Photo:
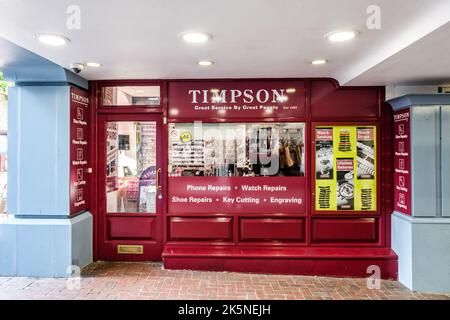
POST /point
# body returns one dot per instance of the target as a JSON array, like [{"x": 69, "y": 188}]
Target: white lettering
[
  {"x": 235, "y": 94},
  {"x": 258, "y": 96},
  {"x": 194, "y": 95},
  {"x": 248, "y": 96}
]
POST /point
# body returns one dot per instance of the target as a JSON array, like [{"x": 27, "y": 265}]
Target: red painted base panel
[{"x": 342, "y": 262}]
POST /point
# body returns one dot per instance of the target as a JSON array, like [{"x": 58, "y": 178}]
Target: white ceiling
[{"x": 138, "y": 39}]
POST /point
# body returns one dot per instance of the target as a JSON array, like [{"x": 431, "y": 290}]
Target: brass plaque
[{"x": 130, "y": 249}]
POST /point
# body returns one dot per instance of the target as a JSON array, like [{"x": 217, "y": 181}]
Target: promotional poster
[{"x": 345, "y": 168}]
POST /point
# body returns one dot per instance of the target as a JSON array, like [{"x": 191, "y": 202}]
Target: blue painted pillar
[
  {"x": 421, "y": 234},
  {"x": 38, "y": 139},
  {"x": 39, "y": 237}
]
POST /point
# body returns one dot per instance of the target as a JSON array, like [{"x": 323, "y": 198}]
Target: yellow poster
[{"x": 345, "y": 168}]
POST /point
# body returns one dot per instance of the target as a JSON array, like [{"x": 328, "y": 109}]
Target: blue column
[
  {"x": 39, "y": 237},
  {"x": 422, "y": 240},
  {"x": 38, "y": 140}
]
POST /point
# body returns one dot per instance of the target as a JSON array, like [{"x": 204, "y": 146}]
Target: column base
[
  {"x": 45, "y": 247},
  {"x": 422, "y": 246}
]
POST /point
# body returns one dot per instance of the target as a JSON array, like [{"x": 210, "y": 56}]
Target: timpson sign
[
  {"x": 231, "y": 96},
  {"x": 239, "y": 99},
  {"x": 78, "y": 98}
]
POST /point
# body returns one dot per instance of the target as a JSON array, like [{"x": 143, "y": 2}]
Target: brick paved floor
[{"x": 107, "y": 280}]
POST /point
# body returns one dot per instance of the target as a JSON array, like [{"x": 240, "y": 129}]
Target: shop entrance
[{"x": 130, "y": 187}]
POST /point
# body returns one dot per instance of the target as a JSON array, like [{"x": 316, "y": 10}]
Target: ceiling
[{"x": 138, "y": 39}]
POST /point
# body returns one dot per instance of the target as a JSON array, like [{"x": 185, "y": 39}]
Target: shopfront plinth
[
  {"x": 421, "y": 219},
  {"x": 42, "y": 236},
  {"x": 337, "y": 262}
]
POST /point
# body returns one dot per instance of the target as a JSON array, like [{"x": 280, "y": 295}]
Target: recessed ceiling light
[
  {"x": 93, "y": 64},
  {"x": 205, "y": 63},
  {"x": 319, "y": 61},
  {"x": 290, "y": 90},
  {"x": 339, "y": 36},
  {"x": 195, "y": 37},
  {"x": 52, "y": 39}
]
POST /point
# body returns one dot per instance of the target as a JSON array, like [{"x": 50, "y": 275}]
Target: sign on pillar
[
  {"x": 79, "y": 169},
  {"x": 402, "y": 162}
]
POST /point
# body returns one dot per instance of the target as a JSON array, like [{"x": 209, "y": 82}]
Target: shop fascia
[{"x": 232, "y": 95}]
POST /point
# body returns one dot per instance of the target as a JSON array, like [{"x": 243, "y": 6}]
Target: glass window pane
[
  {"x": 131, "y": 167},
  {"x": 131, "y": 95},
  {"x": 236, "y": 149}
]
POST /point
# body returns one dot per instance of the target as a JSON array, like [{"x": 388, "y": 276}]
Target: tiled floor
[{"x": 103, "y": 280}]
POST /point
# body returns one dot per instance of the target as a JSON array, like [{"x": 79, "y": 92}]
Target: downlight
[
  {"x": 205, "y": 63},
  {"x": 195, "y": 37},
  {"x": 341, "y": 36},
  {"x": 319, "y": 62},
  {"x": 52, "y": 39}
]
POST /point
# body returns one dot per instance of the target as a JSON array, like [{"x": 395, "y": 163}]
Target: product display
[
  {"x": 235, "y": 149},
  {"x": 337, "y": 186}
]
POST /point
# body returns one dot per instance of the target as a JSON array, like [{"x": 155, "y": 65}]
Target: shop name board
[
  {"x": 235, "y": 95},
  {"x": 237, "y": 99}
]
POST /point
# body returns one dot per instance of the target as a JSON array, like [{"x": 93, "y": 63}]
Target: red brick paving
[{"x": 120, "y": 280}]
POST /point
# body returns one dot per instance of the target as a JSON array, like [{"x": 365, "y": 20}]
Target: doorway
[{"x": 130, "y": 187}]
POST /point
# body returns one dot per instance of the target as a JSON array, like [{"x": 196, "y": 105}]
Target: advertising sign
[
  {"x": 79, "y": 122},
  {"x": 236, "y": 99},
  {"x": 345, "y": 165},
  {"x": 402, "y": 162},
  {"x": 237, "y": 194}
]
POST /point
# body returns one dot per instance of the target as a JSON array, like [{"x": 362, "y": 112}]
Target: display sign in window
[
  {"x": 236, "y": 149},
  {"x": 345, "y": 168},
  {"x": 237, "y": 167}
]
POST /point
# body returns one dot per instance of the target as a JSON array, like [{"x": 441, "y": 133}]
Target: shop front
[{"x": 267, "y": 175}]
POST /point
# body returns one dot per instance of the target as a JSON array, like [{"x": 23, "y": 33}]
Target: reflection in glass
[
  {"x": 131, "y": 95},
  {"x": 131, "y": 167},
  {"x": 236, "y": 149}
]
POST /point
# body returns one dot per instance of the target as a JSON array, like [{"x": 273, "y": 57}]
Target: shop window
[
  {"x": 237, "y": 149},
  {"x": 131, "y": 96},
  {"x": 131, "y": 167}
]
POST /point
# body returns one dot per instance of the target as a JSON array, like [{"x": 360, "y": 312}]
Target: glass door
[{"x": 131, "y": 187}]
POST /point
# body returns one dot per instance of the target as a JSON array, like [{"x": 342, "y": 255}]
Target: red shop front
[{"x": 271, "y": 176}]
